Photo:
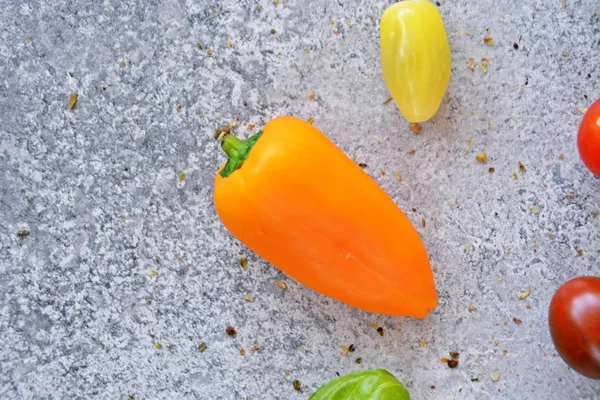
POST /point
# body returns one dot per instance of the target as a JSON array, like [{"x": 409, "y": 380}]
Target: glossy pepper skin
[
  {"x": 373, "y": 384},
  {"x": 295, "y": 199},
  {"x": 415, "y": 57}
]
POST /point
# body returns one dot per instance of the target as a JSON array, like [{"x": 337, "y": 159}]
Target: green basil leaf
[{"x": 375, "y": 384}]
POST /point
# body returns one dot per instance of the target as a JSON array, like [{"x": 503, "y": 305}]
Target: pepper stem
[{"x": 237, "y": 150}]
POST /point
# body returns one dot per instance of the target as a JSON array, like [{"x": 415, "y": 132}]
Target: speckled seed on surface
[{"x": 125, "y": 178}]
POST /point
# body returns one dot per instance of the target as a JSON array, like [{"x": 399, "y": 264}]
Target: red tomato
[
  {"x": 574, "y": 319},
  {"x": 588, "y": 138}
]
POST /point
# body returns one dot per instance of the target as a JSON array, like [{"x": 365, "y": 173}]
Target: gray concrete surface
[{"x": 98, "y": 189}]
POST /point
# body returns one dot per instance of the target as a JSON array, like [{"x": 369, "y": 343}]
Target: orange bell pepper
[{"x": 295, "y": 199}]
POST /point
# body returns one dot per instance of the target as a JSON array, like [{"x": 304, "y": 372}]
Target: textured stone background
[{"x": 98, "y": 188}]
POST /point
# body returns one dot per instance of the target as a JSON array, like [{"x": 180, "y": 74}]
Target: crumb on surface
[
  {"x": 73, "y": 101},
  {"x": 472, "y": 64},
  {"x": 345, "y": 349},
  {"x": 484, "y": 64},
  {"x": 489, "y": 41},
  {"x": 525, "y": 294},
  {"x": 415, "y": 128}
]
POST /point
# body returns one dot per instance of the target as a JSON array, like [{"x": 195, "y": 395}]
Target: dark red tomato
[
  {"x": 588, "y": 138},
  {"x": 574, "y": 319}
]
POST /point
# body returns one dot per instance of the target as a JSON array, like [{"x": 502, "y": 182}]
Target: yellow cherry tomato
[{"x": 415, "y": 57}]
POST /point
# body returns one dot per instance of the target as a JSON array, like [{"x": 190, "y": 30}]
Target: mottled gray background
[{"x": 98, "y": 189}]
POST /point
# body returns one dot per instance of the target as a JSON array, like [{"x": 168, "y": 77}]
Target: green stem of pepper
[{"x": 237, "y": 150}]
